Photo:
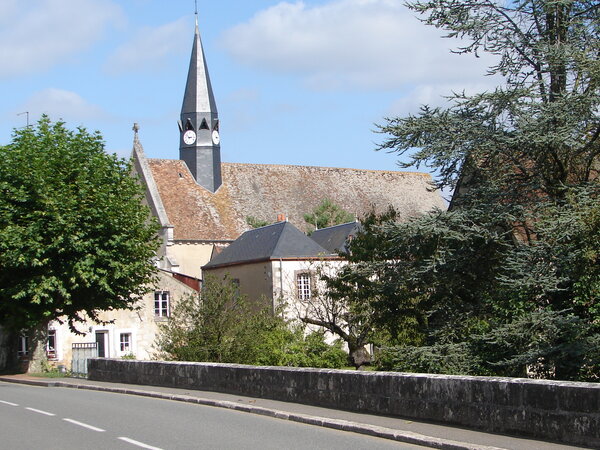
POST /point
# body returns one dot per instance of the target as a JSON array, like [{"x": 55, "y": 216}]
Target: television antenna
[{"x": 27, "y": 113}]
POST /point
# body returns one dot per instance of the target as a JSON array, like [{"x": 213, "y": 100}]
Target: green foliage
[
  {"x": 349, "y": 304},
  {"x": 74, "y": 236},
  {"x": 221, "y": 326},
  {"x": 508, "y": 278},
  {"x": 449, "y": 359},
  {"x": 328, "y": 214},
  {"x": 539, "y": 129},
  {"x": 256, "y": 223},
  {"x": 539, "y": 344},
  {"x": 543, "y": 344}
]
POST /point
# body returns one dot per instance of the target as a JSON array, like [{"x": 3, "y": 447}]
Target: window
[
  {"x": 161, "y": 303},
  {"x": 303, "y": 285},
  {"x": 125, "y": 342},
  {"x": 51, "y": 344},
  {"x": 23, "y": 346}
]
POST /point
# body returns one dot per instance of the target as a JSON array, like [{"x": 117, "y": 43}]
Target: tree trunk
[
  {"x": 7, "y": 359},
  {"x": 359, "y": 356},
  {"x": 38, "y": 359}
]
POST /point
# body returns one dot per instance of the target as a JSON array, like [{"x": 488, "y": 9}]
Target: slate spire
[{"x": 199, "y": 141}]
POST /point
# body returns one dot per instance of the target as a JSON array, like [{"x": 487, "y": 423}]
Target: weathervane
[{"x": 196, "y": 6}]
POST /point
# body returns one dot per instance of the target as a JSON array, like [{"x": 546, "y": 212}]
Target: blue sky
[{"x": 296, "y": 82}]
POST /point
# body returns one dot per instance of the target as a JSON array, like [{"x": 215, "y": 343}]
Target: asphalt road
[{"x": 56, "y": 418}]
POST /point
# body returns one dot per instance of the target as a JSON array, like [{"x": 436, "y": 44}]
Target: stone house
[
  {"x": 125, "y": 333},
  {"x": 274, "y": 263}
]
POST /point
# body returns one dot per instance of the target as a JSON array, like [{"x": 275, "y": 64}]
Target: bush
[
  {"x": 449, "y": 359},
  {"x": 221, "y": 326}
]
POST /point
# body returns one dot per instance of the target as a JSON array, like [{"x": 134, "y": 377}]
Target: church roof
[
  {"x": 263, "y": 191},
  {"x": 281, "y": 240},
  {"x": 335, "y": 238}
]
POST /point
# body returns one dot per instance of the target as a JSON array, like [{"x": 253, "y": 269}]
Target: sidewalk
[{"x": 402, "y": 430}]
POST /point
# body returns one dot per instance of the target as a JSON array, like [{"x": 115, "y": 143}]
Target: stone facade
[{"x": 141, "y": 324}]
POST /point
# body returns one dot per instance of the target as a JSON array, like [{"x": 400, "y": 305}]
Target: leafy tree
[
  {"x": 536, "y": 132},
  {"x": 74, "y": 236},
  {"x": 221, "y": 326},
  {"x": 328, "y": 214},
  {"x": 520, "y": 242},
  {"x": 256, "y": 223},
  {"x": 349, "y": 304}
]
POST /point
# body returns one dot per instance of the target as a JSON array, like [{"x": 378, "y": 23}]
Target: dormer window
[
  {"x": 189, "y": 125},
  {"x": 204, "y": 125}
]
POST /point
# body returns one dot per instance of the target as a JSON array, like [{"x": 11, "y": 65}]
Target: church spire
[{"x": 199, "y": 144}]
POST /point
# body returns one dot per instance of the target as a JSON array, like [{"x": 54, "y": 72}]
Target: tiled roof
[
  {"x": 334, "y": 239},
  {"x": 279, "y": 240},
  {"x": 264, "y": 191}
]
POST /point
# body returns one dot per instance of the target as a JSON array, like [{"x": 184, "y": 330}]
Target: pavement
[{"x": 430, "y": 435}]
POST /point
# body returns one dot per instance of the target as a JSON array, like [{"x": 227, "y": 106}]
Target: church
[{"x": 203, "y": 205}]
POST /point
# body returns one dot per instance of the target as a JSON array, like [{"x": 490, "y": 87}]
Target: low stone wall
[{"x": 561, "y": 411}]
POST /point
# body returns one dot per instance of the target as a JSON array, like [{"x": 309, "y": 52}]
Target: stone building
[{"x": 203, "y": 204}]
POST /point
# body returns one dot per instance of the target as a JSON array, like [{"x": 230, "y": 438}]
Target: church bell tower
[{"x": 199, "y": 140}]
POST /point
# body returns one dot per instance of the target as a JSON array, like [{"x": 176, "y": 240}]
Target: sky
[{"x": 296, "y": 82}]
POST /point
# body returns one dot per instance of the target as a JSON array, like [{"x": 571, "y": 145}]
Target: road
[{"x": 57, "y": 418}]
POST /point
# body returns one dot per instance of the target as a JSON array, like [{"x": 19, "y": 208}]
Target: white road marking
[
  {"x": 84, "y": 425},
  {"x": 139, "y": 444},
  {"x": 41, "y": 412},
  {"x": 8, "y": 403}
]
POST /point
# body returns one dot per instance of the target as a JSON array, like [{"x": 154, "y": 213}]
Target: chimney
[{"x": 281, "y": 218}]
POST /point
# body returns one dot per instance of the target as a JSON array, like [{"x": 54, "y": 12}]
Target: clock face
[
  {"x": 215, "y": 137},
  {"x": 189, "y": 137}
]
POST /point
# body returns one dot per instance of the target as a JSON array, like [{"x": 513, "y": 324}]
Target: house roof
[
  {"x": 335, "y": 238},
  {"x": 264, "y": 191},
  {"x": 281, "y": 240}
]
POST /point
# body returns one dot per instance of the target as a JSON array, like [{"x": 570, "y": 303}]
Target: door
[{"x": 102, "y": 343}]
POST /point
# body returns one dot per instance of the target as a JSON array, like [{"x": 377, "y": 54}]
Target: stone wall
[{"x": 561, "y": 411}]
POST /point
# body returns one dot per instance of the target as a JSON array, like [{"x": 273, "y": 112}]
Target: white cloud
[
  {"x": 435, "y": 95},
  {"x": 37, "y": 35},
  {"x": 61, "y": 104},
  {"x": 150, "y": 47},
  {"x": 370, "y": 44}
]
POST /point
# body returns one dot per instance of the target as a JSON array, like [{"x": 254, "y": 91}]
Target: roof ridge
[
  {"x": 420, "y": 174},
  {"x": 338, "y": 225},
  {"x": 424, "y": 174}
]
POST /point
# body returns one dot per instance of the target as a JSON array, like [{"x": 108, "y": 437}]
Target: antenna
[
  {"x": 196, "y": 6},
  {"x": 26, "y": 112}
]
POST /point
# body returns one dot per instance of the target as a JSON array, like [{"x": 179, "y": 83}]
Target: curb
[{"x": 336, "y": 424}]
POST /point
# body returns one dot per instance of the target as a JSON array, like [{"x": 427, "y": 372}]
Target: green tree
[
  {"x": 253, "y": 222},
  {"x": 536, "y": 132},
  {"x": 220, "y": 325},
  {"x": 328, "y": 214},
  {"x": 74, "y": 236},
  {"x": 349, "y": 303},
  {"x": 521, "y": 239}
]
